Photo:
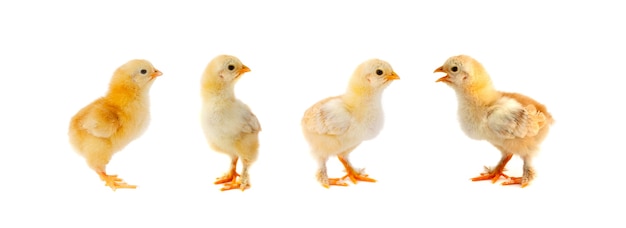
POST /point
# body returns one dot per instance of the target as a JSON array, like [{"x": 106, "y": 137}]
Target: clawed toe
[{"x": 114, "y": 182}]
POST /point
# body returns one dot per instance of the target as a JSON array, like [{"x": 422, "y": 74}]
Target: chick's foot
[
  {"x": 494, "y": 174},
  {"x": 115, "y": 182},
  {"x": 491, "y": 174},
  {"x": 357, "y": 176},
  {"x": 353, "y": 174},
  {"x": 235, "y": 184},
  {"x": 514, "y": 181},
  {"x": 335, "y": 182},
  {"x": 228, "y": 177}
]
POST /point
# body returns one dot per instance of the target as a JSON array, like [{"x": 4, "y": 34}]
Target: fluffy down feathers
[
  {"x": 336, "y": 125},
  {"x": 111, "y": 122},
  {"x": 512, "y": 122},
  {"x": 229, "y": 125}
]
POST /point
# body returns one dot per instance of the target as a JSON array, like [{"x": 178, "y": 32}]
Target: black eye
[
  {"x": 231, "y": 67},
  {"x": 454, "y": 69},
  {"x": 144, "y": 71},
  {"x": 379, "y": 72}
]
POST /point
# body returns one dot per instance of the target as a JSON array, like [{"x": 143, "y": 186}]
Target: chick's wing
[
  {"x": 329, "y": 117},
  {"x": 509, "y": 119},
  {"x": 252, "y": 124},
  {"x": 100, "y": 120}
]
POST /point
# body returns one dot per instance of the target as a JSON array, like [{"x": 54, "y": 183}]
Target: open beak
[
  {"x": 444, "y": 78},
  {"x": 392, "y": 76},
  {"x": 156, "y": 73}
]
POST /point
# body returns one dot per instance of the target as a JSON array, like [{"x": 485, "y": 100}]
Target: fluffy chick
[
  {"x": 108, "y": 124},
  {"x": 512, "y": 122},
  {"x": 229, "y": 125},
  {"x": 337, "y": 125}
]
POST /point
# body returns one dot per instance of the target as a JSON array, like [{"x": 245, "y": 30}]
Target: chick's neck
[
  {"x": 218, "y": 91},
  {"x": 125, "y": 93},
  {"x": 362, "y": 97},
  {"x": 481, "y": 95}
]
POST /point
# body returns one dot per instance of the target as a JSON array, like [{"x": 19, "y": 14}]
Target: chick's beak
[
  {"x": 392, "y": 76},
  {"x": 444, "y": 78},
  {"x": 244, "y": 69},
  {"x": 156, "y": 73}
]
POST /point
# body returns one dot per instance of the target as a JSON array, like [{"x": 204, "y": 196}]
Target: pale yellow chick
[
  {"x": 335, "y": 126},
  {"x": 512, "y": 122},
  {"x": 109, "y": 123},
  {"x": 229, "y": 125}
]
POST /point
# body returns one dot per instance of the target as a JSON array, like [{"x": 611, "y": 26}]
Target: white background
[{"x": 57, "y": 56}]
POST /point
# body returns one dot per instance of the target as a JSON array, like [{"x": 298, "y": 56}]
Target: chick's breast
[
  {"x": 136, "y": 122},
  {"x": 372, "y": 124},
  {"x": 223, "y": 123}
]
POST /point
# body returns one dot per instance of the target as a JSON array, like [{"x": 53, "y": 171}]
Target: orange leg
[
  {"x": 352, "y": 174},
  {"x": 231, "y": 176},
  {"x": 114, "y": 182},
  {"x": 496, "y": 173}
]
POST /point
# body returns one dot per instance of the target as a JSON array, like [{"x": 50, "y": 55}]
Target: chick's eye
[
  {"x": 379, "y": 72},
  {"x": 454, "y": 69},
  {"x": 231, "y": 67},
  {"x": 143, "y": 71}
]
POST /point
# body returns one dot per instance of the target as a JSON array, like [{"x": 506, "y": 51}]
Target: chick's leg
[
  {"x": 244, "y": 182},
  {"x": 494, "y": 174},
  {"x": 354, "y": 175},
  {"x": 246, "y": 149},
  {"x": 98, "y": 162},
  {"x": 527, "y": 177},
  {"x": 322, "y": 175},
  {"x": 231, "y": 175}
]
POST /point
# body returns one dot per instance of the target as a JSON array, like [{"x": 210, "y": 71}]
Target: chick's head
[
  {"x": 373, "y": 75},
  {"x": 463, "y": 72},
  {"x": 225, "y": 69},
  {"x": 138, "y": 73}
]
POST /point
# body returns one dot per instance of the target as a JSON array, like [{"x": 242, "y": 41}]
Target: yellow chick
[
  {"x": 335, "y": 126},
  {"x": 108, "y": 124},
  {"x": 229, "y": 125},
  {"x": 512, "y": 122}
]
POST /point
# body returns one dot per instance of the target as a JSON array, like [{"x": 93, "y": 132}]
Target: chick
[
  {"x": 335, "y": 126},
  {"x": 512, "y": 122},
  {"x": 229, "y": 125},
  {"x": 108, "y": 124}
]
